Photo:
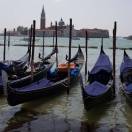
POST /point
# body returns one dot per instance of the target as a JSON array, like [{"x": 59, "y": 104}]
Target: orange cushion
[{"x": 64, "y": 66}]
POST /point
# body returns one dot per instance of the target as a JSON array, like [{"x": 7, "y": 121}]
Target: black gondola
[
  {"x": 20, "y": 64},
  {"x": 14, "y": 67},
  {"x": 38, "y": 69},
  {"x": 41, "y": 68},
  {"x": 126, "y": 77},
  {"x": 54, "y": 82},
  {"x": 99, "y": 86}
]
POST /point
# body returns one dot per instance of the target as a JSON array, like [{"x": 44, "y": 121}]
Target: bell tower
[{"x": 42, "y": 19}]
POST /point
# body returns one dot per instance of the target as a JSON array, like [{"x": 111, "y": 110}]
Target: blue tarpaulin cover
[
  {"x": 129, "y": 87},
  {"x": 103, "y": 63},
  {"x": 74, "y": 72},
  {"x": 43, "y": 83},
  {"x": 126, "y": 64},
  {"x": 4, "y": 67},
  {"x": 95, "y": 89},
  {"x": 0, "y": 80}
]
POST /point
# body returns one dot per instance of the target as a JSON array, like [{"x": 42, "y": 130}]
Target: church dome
[{"x": 61, "y": 22}]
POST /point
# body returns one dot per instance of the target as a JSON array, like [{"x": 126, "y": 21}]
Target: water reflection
[
  {"x": 31, "y": 111},
  {"x": 94, "y": 116},
  {"x": 20, "y": 117},
  {"x": 66, "y": 113},
  {"x": 127, "y": 110}
]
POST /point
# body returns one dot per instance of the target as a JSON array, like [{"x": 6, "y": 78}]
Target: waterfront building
[
  {"x": 42, "y": 19},
  {"x": 63, "y": 29}
]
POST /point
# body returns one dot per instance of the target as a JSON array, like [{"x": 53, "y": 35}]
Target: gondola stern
[
  {"x": 125, "y": 53},
  {"x": 102, "y": 50},
  {"x": 79, "y": 48},
  {"x": 81, "y": 82}
]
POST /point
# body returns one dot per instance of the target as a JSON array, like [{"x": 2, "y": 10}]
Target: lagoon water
[{"x": 65, "y": 113}]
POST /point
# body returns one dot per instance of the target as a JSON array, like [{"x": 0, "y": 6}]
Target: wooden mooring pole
[
  {"x": 43, "y": 44},
  {"x": 114, "y": 57},
  {"x": 86, "y": 50},
  {"x": 70, "y": 41},
  {"x": 4, "y": 52},
  {"x": 33, "y": 49},
  {"x": 30, "y": 43},
  {"x": 56, "y": 44}
]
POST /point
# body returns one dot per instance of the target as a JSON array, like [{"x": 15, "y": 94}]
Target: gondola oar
[
  {"x": 56, "y": 44},
  {"x": 70, "y": 41},
  {"x": 33, "y": 49},
  {"x": 86, "y": 50},
  {"x": 114, "y": 57},
  {"x": 4, "y": 52}
]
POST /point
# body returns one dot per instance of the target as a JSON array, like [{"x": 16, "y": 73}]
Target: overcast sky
[{"x": 85, "y": 13}]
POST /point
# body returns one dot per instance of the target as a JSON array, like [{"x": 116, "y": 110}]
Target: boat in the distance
[
  {"x": 14, "y": 67},
  {"x": 41, "y": 68}
]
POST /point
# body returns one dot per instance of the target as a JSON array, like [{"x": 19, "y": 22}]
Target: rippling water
[{"x": 65, "y": 113}]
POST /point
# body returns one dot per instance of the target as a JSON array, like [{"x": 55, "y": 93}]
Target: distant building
[
  {"x": 62, "y": 29},
  {"x": 42, "y": 19},
  {"x": 94, "y": 33},
  {"x": 22, "y": 30},
  {"x": 128, "y": 37}
]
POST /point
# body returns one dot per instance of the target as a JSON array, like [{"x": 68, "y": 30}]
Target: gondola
[
  {"x": 55, "y": 82},
  {"x": 22, "y": 62},
  {"x": 41, "y": 68},
  {"x": 37, "y": 69},
  {"x": 126, "y": 77},
  {"x": 17, "y": 67},
  {"x": 99, "y": 86}
]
